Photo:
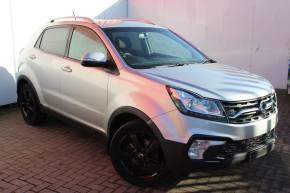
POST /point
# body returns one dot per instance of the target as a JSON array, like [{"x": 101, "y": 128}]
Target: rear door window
[{"x": 54, "y": 40}]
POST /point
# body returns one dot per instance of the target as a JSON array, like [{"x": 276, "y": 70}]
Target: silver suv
[{"x": 162, "y": 104}]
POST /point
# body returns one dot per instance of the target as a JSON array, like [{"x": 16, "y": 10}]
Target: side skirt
[{"x": 72, "y": 122}]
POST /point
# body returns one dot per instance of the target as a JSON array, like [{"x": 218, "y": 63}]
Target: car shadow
[
  {"x": 68, "y": 125},
  {"x": 270, "y": 173},
  {"x": 7, "y": 87}
]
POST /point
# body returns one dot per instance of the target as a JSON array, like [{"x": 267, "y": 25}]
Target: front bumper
[
  {"x": 243, "y": 141},
  {"x": 238, "y": 151},
  {"x": 232, "y": 152},
  {"x": 177, "y": 127}
]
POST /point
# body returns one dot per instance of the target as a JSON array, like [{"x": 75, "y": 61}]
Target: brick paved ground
[{"x": 56, "y": 157}]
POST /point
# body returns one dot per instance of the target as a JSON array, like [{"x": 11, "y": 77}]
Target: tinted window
[
  {"x": 54, "y": 40},
  {"x": 83, "y": 41}
]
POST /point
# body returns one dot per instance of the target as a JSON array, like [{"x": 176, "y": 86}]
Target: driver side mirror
[{"x": 94, "y": 59}]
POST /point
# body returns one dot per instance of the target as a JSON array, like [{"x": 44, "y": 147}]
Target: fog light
[{"x": 198, "y": 147}]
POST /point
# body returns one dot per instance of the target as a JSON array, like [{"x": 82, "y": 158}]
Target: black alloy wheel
[
  {"x": 137, "y": 155},
  {"x": 29, "y": 105}
]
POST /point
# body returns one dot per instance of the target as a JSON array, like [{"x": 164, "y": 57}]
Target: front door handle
[
  {"x": 66, "y": 69},
  {"x": 32, "y": 57}
]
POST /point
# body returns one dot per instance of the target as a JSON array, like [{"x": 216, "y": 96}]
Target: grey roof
[{"x": 106, "y": 23}]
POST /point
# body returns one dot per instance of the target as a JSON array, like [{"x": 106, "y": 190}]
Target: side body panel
[
  {"x": 131, "y": 90},
  {"x": 84, "y": 93},
  {"x": 47, "y": 69},
  {"x": 43, "y": 70}
]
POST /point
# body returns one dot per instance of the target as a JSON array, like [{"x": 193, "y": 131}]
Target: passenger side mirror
[{"x": 94, "y": 59}]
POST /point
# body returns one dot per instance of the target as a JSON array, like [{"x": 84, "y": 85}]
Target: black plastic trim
[
  {"x": 39, "y": 40},
  {"x": 138, "y": 113},
  {"x": 177, "y": 159},
  {"x": 70, "y": 121},
  {"x": 23, "y": 77}
]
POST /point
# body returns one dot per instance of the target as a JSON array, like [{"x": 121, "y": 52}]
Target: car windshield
[{"x": 145, "y": 47}]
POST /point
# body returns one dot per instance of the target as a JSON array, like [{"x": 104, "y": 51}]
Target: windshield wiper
[
  {"x": 172, "y": 64},
  {"x": 143, "y": 66},
  {"x": 208, "y": 61},
  {"x": 178, "y": 64}
]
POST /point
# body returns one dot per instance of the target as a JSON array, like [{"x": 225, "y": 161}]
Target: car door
[
  {"x": 84, "y": 89},
  {"x": 46, "y": 60}
]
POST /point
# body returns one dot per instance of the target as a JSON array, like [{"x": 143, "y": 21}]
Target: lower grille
[
  {"x": 249, "y": 144},
  {"x": 233, "y": 147}
]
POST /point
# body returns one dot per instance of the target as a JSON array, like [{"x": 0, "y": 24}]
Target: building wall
[
  {"x": 24, "y": 17},
  {"x": 250, "y": 34},
  {"x": 7, "y": 83}
]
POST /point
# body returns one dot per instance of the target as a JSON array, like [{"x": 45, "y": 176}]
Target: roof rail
[
  {"x": 73, "y": 18},
  {"x": 140, "y": 20}
]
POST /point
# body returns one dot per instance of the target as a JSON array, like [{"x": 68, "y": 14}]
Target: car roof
[{"x": 107, "y": 23}]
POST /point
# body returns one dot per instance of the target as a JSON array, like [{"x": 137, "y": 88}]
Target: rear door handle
[
  {"x": 32, "y": 57},
  {"x": 66, "y": 69}
]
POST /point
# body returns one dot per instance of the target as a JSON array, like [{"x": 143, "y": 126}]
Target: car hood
[{"x": 212, "y": 80}]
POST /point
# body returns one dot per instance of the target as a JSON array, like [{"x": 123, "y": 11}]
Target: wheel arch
[
  {"x": 24, "y": 79},
  {"x": 125, "y": 114}
]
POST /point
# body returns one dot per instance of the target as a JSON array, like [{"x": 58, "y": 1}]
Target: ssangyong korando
[{"x": 162, "y": 104}]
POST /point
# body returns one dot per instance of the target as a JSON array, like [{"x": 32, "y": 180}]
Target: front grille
[
  {"x": 232, "y": 147},
  {"x": 252, "y": 110}
]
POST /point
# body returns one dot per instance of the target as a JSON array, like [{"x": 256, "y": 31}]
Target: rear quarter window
[{"x": 54, "y": 40}]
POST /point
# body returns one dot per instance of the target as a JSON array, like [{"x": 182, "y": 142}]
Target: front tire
[
  {"x": 29, "y": 105},
  {"x": 137, "y": 155}
]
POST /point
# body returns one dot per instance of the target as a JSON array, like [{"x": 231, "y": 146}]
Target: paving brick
[
  {"x": 18, "y": 182},
  {"x": 34, "y": 181},
  {"x": 107, "y": 190},
  {"x": 11, "y": 189},
  {"x": 46, "y": 191},
  {"x": 40, "y": 187},
  {"x": 82, "y": 189},
  {"x": 110, "y": 184},
  {"x": 64, "y": 190},
  {"x": 24, "y": 188},
  {"x": 13, "y": 177},
  {"x": 56, "y": 185},
  {"x": 4, "y": 185},
  {"x": 96, "y": 187},
  {"x": 120, "y": 189}
]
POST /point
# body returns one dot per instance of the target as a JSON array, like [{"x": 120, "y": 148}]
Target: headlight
[{"x": 197, "y": 106}]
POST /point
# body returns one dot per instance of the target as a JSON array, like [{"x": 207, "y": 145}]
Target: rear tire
[
  {"x": 137, "y": 155},
  {"x": 29, "y": 105}
]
